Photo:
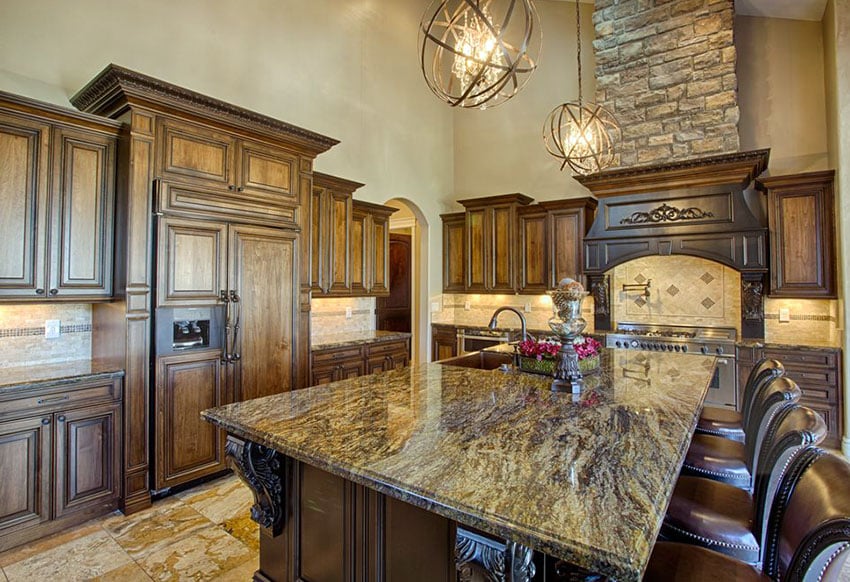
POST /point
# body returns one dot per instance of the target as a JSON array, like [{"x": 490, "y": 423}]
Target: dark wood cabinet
[
  {"x": 58, "y": 202},
  {"x": 454, "y": 254},
  {"x": 333, "y": 364},
  {"x": 331, "y": 214},
  {"x": 443, "y": 342},
  {"x": 801, "y": 217},
  {"x": 370, "y": 240},
  {"x": 534, "y": 250},
  {"x": 568, "y": 223},
  {"x": 188, "y": 447},
  {"x": 60, "y": 457},
  {"x": 191, "y": 262},
  {"x": 818, "y": 372}
]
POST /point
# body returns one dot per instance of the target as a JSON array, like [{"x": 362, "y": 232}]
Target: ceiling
[{"x": 793, "y": 9}]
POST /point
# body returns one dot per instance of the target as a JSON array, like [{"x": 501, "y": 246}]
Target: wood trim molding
[
  {"x": 516, "y": 198},
  {"x": 115, "y": 86},
  {"x": 321, "y": 180},
  {"x": 737, "y": 168}
]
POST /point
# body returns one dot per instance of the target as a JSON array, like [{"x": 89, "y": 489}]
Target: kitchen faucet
[{"x": 493, "y": 319}]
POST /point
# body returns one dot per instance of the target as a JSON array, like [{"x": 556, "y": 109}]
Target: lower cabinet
[
  {"x": 188, "y": 447},
  {"x": 443, "y": 342},
  {"x": 60, "y": 457},
  {"x": 334, "y": 364},
  {"x": 818, "y": 373}
]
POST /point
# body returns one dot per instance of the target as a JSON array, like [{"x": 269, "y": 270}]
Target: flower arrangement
[{"x": 541, "y": 356}]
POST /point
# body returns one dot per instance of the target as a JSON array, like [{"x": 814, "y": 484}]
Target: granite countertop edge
[
  {"x": 341, "y": 340},
  {"x": 100, "y": 372},
  {"x": 588, "y": 558}
]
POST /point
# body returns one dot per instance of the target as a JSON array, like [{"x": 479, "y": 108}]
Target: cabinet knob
[
  {"x": 39, "y": 291},
  {"x": 61, "y": 418},
  {"x": 231, "y": 187},
  {"x": 240, "y": 189},
  {"x": 54, "y": 292},
  {"x": 45, "y": 421}
]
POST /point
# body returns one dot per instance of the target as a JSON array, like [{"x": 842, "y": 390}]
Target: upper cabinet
[
  {"x": 349, "y": 241},
  {"x": 205, "y": 171},
  {"x": 503, "y": 244},
  {"x": 57, "y": 202},
  {"x": 491, "y": 239},
  {"x": 802, "y": 234}
]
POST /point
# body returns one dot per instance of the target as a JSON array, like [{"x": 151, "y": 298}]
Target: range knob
[
  {"x": 719, "y": 349},
  {"x": 684, "y": 348},
  {"x": 617, "y": 343},
  {"x": 704, "y": 350},
  {"x": 634, "y": 343},
  {"x": 677, "y": 348},
  {"x": 670, "y": 348},
  {"x": 643, "y": 345}
]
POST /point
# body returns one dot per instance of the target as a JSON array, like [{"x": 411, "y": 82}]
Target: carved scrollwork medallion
[
  {"x": 599, "y": 290},
  {"x": 753, "y": 300},
  {"x": 666, "y": 213},
  {"x": 477, "y": 556},
  {"x": 260, "y": 468}
]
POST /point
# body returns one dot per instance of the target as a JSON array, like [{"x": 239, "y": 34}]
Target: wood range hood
[{"x": 702, "y": 207}]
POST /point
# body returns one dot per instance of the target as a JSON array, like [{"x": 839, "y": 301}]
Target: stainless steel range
[{"x": 708, "y": 341}]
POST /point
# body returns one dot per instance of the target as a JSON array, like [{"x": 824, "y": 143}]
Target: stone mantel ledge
[
  {"x": 32, "y": 377},
  {"x": 585, "y": 478},
  {"x": 329, "y": 341}
]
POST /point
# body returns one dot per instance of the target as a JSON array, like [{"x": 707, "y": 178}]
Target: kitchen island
[{"x": 399, "y": 475}]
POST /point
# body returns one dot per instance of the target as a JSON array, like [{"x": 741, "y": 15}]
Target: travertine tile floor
[{"x": 204, "y": 533}]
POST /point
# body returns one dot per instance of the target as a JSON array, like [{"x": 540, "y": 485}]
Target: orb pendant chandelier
[
  {"x": 581, "y": 134},
  {"x": 478, "y": 53}
]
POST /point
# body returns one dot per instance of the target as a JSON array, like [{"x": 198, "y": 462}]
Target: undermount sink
[{"x": 480, "y": 360}]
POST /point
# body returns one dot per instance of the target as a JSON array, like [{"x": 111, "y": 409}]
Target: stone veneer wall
[
  {"x": 666, "y": 70},
  {"x": 22, "y": 341}
]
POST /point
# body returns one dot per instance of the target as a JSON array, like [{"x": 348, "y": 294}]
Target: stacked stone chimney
[{"x": 666, "y": 70}]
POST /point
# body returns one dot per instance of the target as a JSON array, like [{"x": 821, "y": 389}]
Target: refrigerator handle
[
  {"x": 225, "y": 354},
  {"x": 237, "y": 308}
]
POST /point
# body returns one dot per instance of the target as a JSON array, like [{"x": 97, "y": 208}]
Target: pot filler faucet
[{"x": 493, "y": 319}]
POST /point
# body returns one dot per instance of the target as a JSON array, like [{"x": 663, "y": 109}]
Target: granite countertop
[
  {"x": 585, "y": 478},
  {"x": 36, "y": 376},
  {"x": 810, "y": 345},
  {"x": 351, "y": 338}
]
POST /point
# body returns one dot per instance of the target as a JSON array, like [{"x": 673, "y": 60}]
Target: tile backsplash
[
  {"x": 22, "y": 341},
  {"x": 328, "y": 315}
]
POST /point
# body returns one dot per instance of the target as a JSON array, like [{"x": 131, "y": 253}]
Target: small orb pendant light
[
  {"x": 581, "y": 134},
  {"x": 478, "y": 53}
]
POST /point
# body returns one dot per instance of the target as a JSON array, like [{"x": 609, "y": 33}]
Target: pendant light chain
[{"x": 578, "y": 51}]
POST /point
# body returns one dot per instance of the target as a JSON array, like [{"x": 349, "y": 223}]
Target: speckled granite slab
[
  {"x": 586, "y": 478},
  {"x": 351, "y": 338},
  {"x": 28, "y": 377}
]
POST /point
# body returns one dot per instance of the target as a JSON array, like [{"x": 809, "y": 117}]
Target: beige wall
[
  {"x": 781, "y": 92},
  {"x": 501, "y": 150}
]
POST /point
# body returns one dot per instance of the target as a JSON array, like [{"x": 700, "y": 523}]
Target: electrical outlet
[
  {"x": 348, "y": 313},
  {"x": 51, "y": 328},
  {"x": 784, "y": 315},
  {"x": 435, "y": 306},
  {"x": 467, "y": 306},
  {"x": 527, "y": 307}
]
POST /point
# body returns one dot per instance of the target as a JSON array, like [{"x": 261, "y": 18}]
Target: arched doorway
[{"x": 408, "y": 276}]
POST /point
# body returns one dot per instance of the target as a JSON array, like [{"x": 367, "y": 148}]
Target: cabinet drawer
[
  {"x": 336, "y": 356},
  {"x": 791, "y": 359},
  {"x": 806, "y": 377},
  {"x": 823, "y": 394},
  {"x": 48, "y": 399},
  {"x": 387, "y": 348}
]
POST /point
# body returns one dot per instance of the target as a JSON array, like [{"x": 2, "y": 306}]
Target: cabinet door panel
[
  {"x": 359, "y": 251},
  {"x": 187, "y": 447},
  {"x": 87, "y": 445},
  {"x": 263, "y": 273},
  {"x": 380, "y": 245},
  {"x": 318, "y": 241},
  {"x": 338, "y": 231},
  {"x": 476, "y": 251},
  {"x": 192, "y": 262},
  {"x": 453, "y": 253},
  {"x": 534, "y": 253},
  {"x": 82, "y": 248},
  {"x": 197, "y": 153},
  {"x": 567, "y": 235},
  {"x": 25, "y": 468},
  {"x": 501, "y": 256},
  {"x": 23, "y": 206},
  {"x": 268, "y": 172},
  {"x": 799, "y": 257}
]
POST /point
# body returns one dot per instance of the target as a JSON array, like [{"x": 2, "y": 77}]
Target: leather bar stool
[
  {"x": 730, "y": 520},
  {"x": 732, "y": 462},
  {"x": 808, "y": 532},
  {"x": 728, "y": 423}
]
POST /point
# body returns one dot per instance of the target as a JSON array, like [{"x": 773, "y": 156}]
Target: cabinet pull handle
[
  {"x": 240, "y": 189},
  {"x": 54, "y": 292},
  {"x": 231, "y": 187},
  {"x": 45, "y": 421},
  {"x": 61, "y": 418},
  {"x": 39, "y": 291},
  {"x": 53, "y": 399}
]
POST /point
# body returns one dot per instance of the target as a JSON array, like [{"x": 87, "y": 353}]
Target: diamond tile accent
[
  {"x": 673, "y": 290},
  {"x": 640, "y": 302},
  {"x": 640, "y": 279},
  {"x": 707, "y": 303},
  {"x": 707, "y": 277}
]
